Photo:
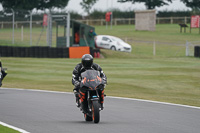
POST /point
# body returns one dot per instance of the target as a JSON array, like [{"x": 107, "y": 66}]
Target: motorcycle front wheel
[{"x": 95, "y": 111}]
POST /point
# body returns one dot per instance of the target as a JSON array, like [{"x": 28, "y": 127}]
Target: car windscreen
[
  {"x": 105, "y": 39},
  {"x": 117, "y": 39}
]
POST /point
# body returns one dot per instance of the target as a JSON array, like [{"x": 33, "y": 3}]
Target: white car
[{"x": 111, "y": 42}]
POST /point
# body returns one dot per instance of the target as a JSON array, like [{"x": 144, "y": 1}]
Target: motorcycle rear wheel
[{"x": 95, "y": 112}]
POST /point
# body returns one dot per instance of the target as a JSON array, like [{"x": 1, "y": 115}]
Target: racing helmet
[{"x": 87, "y": 61}]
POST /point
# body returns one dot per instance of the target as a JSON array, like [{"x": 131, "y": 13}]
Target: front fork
[{"x": 92, "y": 97}]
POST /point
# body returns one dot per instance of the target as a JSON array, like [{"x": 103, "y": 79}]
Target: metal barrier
[{"x": 129, "y": 21}]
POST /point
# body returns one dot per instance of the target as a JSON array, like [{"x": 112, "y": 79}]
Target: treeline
[
  {"x": 174, "y": 14},
  {"x": 97, "y": 14},
  {"x": 130, "y": 14}
]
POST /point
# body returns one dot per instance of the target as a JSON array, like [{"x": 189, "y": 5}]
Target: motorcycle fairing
[{"x": 91, "y": 79}]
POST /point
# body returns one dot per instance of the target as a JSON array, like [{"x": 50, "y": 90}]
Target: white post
[
  {"x": 50, "y": 30},
  {"x": 30, "y": 27},
  {"x": 13, "y": 33},
  {"x": 22, "y": 33},
  {"x": 154, "y": 48},
  {"x": 106, "y": 25},
  {"x": 47, "y": 29},
  {"x": 111, "y": 20},
  {"x": 187, "y": 48},
  {"x": 68, "y": 30}
]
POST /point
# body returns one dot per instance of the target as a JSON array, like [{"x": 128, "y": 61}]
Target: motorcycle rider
[
  {"x": 3, "y": 73},
  {"x": 86, "y": 64}
]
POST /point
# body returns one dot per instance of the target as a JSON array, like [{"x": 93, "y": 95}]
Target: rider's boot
[
  {"x": 84, "y": 107},
  {"x": 76, "y": 93},
  {"x": 102, "y": 107}
]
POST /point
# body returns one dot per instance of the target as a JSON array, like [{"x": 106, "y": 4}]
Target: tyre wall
[{"x": 37, "y": 52}]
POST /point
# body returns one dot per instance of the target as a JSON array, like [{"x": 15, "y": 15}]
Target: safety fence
[
  {"x": 130, "y": 21},
  {"x": 116, "y": 21},
  {"x": 159, "y": 48}
]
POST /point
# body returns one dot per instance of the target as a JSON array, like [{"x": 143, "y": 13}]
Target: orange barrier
[{"x": 78, "y": 52}]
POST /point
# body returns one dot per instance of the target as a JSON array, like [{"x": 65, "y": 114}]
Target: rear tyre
[
  {"x": 95, "y": 111},
  {"x": 113, "y": 48},
  {"x": 87, "y": 117}
]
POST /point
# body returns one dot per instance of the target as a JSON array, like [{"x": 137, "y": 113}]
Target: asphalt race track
[{"x": 47, "y": 112}]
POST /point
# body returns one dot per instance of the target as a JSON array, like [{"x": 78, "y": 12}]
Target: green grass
[
  {"x": 169, "y": 76},
  {"x": 164, "y": 33},
  {"x": 6, "y": 37},
  {"x": 4, "y": 129},
  {"x": 171, "y": 79}
]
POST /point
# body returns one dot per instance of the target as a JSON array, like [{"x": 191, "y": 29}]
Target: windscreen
[
  {"x": 117, "y": 39},
  {"x": 91, "y": 79}
]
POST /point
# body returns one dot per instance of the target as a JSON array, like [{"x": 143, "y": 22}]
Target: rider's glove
[
  {"x": 77, "y": 83},
  {"x": 105, "y": 80}
]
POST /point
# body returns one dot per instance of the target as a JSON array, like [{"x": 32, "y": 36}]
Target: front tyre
[
  {"x": 113, "y": 48},
  {"x": 95, "y": 111}
]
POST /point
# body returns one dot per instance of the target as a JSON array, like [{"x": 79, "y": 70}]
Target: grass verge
[
  {"x": 167, "y": 79},
  {"x": 4, "y": 129},
  {"x": 164, "y": 33}
]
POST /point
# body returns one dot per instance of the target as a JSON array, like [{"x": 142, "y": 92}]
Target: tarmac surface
[{"x": 54, "y": 112}]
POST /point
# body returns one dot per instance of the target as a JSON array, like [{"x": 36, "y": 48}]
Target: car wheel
[{"x": 113, "y": 48}]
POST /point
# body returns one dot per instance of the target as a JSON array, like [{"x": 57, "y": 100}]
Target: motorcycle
[{"x": 92, "y": 85}]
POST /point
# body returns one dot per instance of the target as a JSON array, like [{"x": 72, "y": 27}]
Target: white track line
[
  {"x": 124, "y": 98},
  {"x": 15, "y": 128},
  {"x": 157, "y": 102}
]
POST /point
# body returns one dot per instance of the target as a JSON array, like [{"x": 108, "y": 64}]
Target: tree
[
  {"x": 87, "y": 5},
  {"x": 194, "y": 4},
  {"x": 150, "y": 4},
  {"x": 31, "y": 4}
]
